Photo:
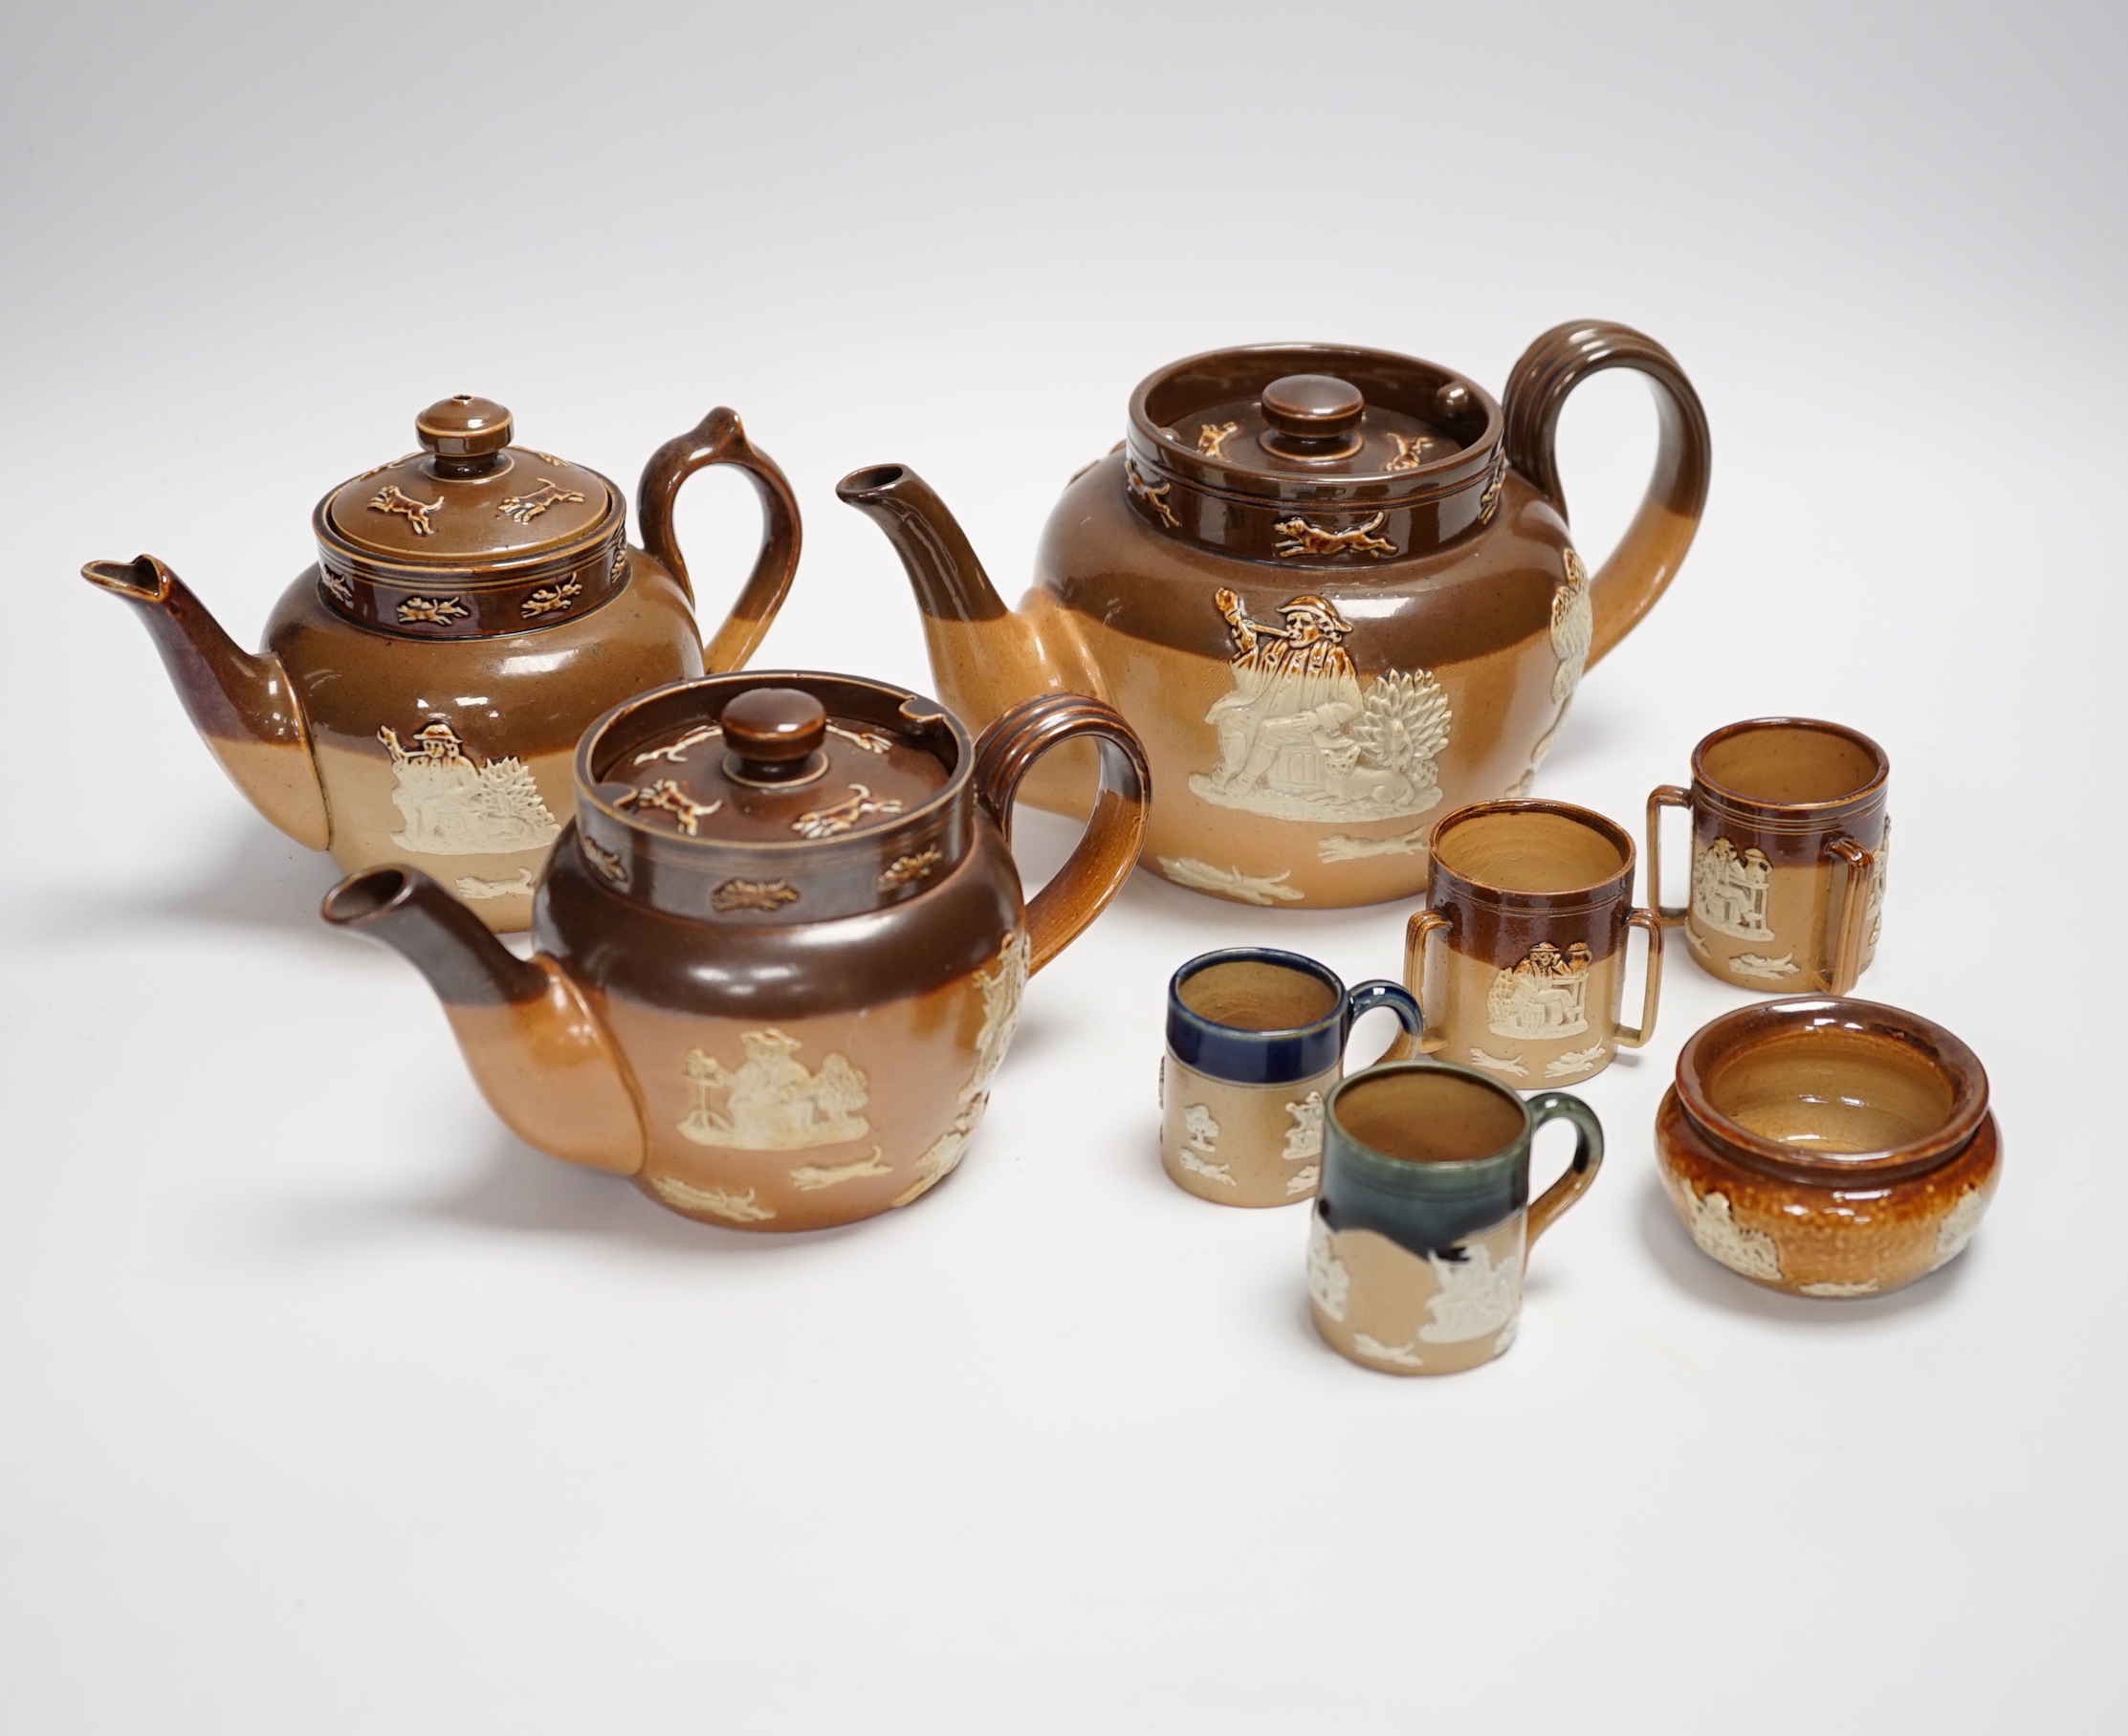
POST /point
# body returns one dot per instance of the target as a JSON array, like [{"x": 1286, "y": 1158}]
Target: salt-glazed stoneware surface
[
  {"x": 1532, "y": 902},
  {"x": 1418, "y": 1242},
  {"x": 1828, "y": 1146},
  {"x": 472, "y": 608},
  {"x": 1332, "y": 589},
  {"x": 1254, "y": 1039},
  {"x": 780, "y": 946},
  {"x": 1790, "y": 845}
]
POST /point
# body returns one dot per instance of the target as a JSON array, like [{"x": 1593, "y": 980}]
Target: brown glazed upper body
[
  {"x": 473, "y": 607},
  {"x": 1333, "y": 590},
  {"x": 1828, "y": 1147},
  {"x": 781, "y": 947}
]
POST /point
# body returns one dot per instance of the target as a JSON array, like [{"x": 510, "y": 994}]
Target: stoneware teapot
[
  {"x": 781, "y": 947},
  {"x": 1333, "y": 591},
  {"x": 472, "y": 608}
]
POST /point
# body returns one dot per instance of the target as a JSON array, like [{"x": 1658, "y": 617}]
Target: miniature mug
[
  {"x": 1533, "y": 901},
  {"x": 1256, "y": 1039},
  {"x": 1828, "y": 1147},
  {"x": 1416, "y": 1249},
  {"x": 1789, "y": 845}
]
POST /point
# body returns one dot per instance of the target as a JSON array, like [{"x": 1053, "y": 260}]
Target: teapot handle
[
  {"x": 1081, "y": 890},
  {"x": 719, "y": 439},
  {"x": 1653, "y": 546}
]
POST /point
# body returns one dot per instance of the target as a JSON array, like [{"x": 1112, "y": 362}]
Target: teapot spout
[
  {"x": 540, "y": 1055},
  {"x": 242, "y": 705},
  {"x": 984, "y": 657}
]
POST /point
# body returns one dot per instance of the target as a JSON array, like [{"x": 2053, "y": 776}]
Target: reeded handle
[
  {"x": 1080, "y": 890},
  {"x": 1662, "y": 795},
  {"x": 1366, "y": 997},
  {"x": 719, "y": 439},
  {"x": 1549, "y": 1208},
  {"x": 1845, "y": 911},
  {"x": 1422, "y": 924},
  {"x": 1648, "y": 557},
  {"x": 1633, "y": 1036}
]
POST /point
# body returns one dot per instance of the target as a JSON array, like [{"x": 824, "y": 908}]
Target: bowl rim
[{"x": 1773, "y": 1020}]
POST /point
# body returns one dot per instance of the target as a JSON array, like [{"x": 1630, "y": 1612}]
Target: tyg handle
[
  {"x": 1364, "y": 998},
  {"x": 1549, "y": 1206},
  {"x": 1633, "y": 1036},
  {"x": 719, "y": 439},
  {"x": 1662, "y": 795},
  {"x": 1081, "y": 890},
  {"x": 1648, "y": 557},
  {"x": 1422, "y": 924},
  {"x": 1845, "y": 910}
]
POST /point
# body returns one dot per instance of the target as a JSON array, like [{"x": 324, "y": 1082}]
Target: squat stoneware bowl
[
  {"x": 780, "y": 946},
  {"x": 1828, "y": 1146}
]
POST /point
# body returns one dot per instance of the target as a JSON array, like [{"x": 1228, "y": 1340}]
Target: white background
[{"x": 327, "y": 1406}]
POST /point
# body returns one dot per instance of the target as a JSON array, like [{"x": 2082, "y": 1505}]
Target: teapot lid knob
[
  {"x": 1312, "y": 416},
  {"x": 774, "y": 735},
  {"x": 465, "y": 434}
]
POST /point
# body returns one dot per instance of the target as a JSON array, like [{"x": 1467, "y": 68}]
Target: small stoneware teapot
[
  {"x": 781, "y": 945},
  {"x": 472, "y": 608},
  {"x": 1332, "y": 589}
]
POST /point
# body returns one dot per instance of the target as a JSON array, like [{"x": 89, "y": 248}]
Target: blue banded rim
[{"x": 1242, "y": 1056}]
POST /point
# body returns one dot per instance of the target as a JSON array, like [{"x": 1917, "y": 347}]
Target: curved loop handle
[
  {"x": 1081, "y": 890},
  {"x": 1422, "y": 924},
  {"x": 1366, "y": 997},
  {"x": 1633, "y": 1036},
  {"x": 1662, "y": 795},
  {"x": 719, "y": 439},
  {"x": 1844, "y": 910},
  {"x": 1548, "y": 1208},
  {"x": 1648, "y": 556}
]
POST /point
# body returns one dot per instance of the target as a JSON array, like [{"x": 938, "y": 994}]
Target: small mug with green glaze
[{"x": 1423, "y": 1222}]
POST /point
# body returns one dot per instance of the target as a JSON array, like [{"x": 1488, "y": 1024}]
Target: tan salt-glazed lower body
[
  {"x": 1784, "y": 947},
  {"x": 1502, "y": 718},
  {"x": 1254, "y": 1145},
  {"x": 1820, "y": 1241},
  {"x": 1550, "y": 1046},
  {"x": 792, "y": 1123},
  {"x": 1386, "y": 1308}
]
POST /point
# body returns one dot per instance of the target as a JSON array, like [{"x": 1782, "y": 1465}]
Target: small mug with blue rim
[
  {"x": 1424, "y": 1220},
  {"x": 1256, "y": 1040}
]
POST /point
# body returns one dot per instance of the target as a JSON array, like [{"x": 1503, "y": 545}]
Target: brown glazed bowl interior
[
  {"x": 1791, "y": 762},
  {"x": 1532, "y": 848},
  {"x": 1832, "y": 1091}
]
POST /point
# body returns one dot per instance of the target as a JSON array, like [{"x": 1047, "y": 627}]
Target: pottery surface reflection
[
  {"x": 473, "y": 607},
  {"x": 782, "y": 945},
  {"x": 1828, "y": 1146},
  {"x": 1333, "y": 589}
]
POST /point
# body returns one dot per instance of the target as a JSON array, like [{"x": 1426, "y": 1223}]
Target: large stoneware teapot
[
  {"x": 781, "y": 945},
  {"x": 1332, "y": 589},
  {"x": 472, "y": 608}
]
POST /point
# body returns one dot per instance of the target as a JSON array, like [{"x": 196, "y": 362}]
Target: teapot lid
[
  {"x": 469, "y": 496},
  {"x": 470, "y": 536},
  {"x": 1313, "y": 454},
  {"x": 773, "y": 795}
]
